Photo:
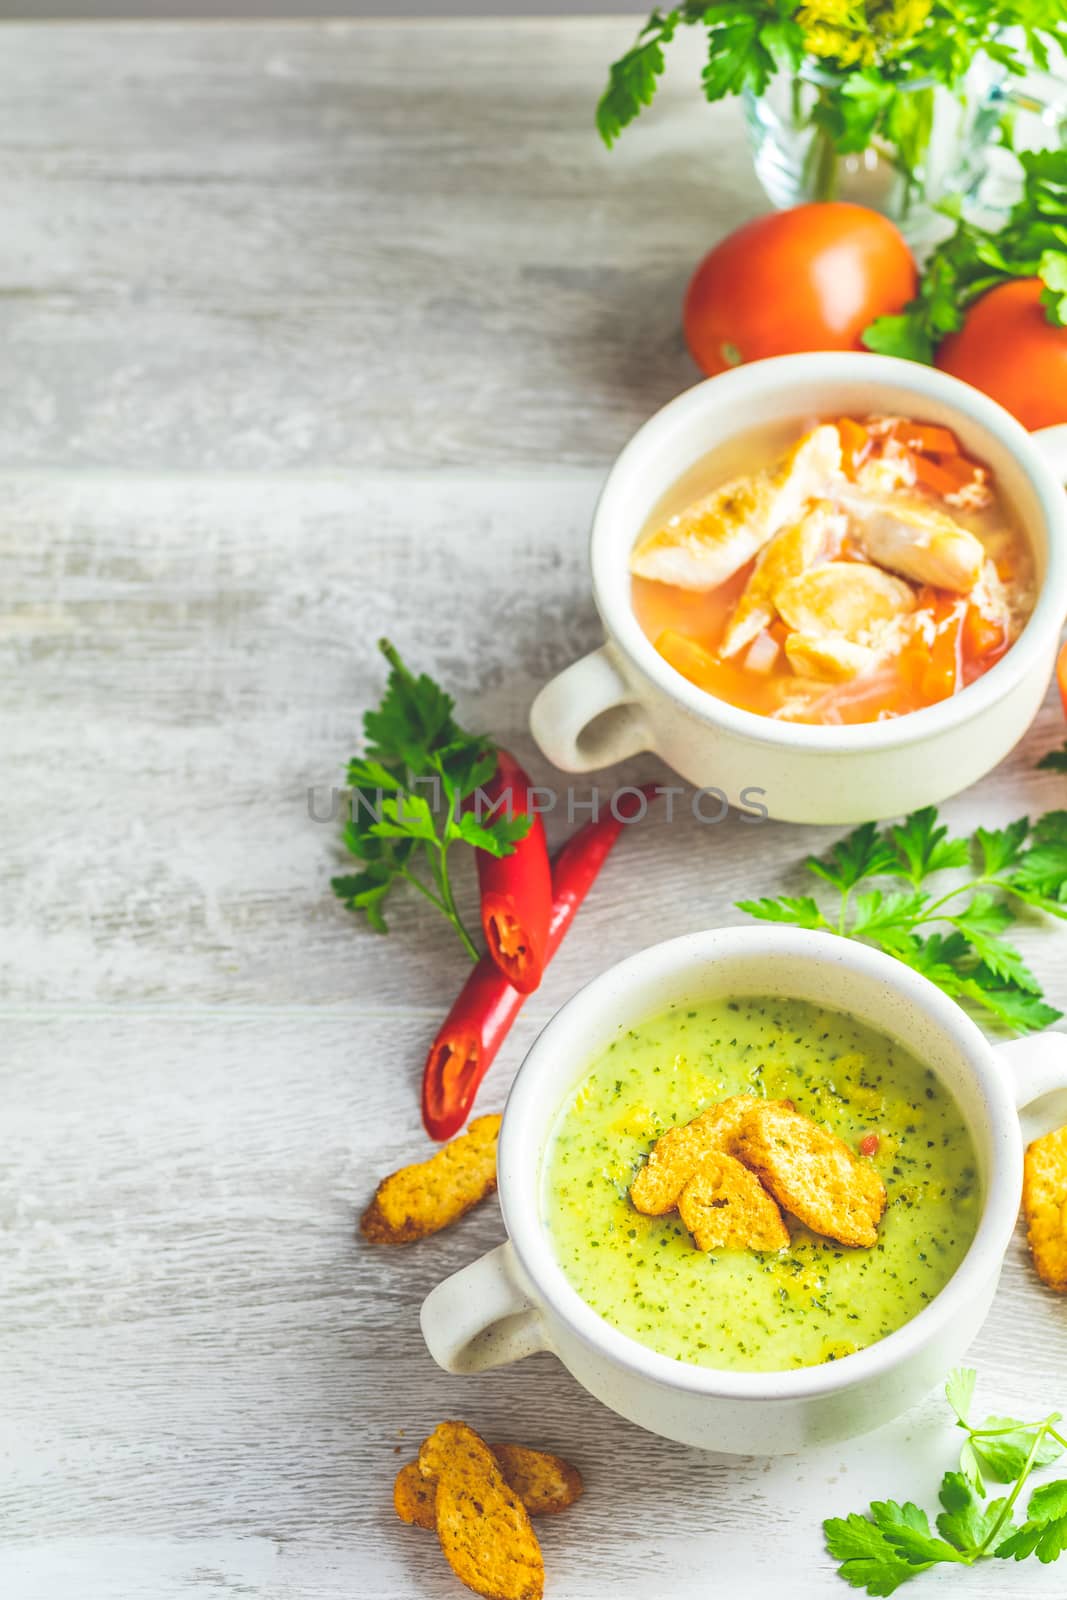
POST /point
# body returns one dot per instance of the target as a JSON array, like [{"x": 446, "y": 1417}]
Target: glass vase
[{"x": 948, "y": 133}]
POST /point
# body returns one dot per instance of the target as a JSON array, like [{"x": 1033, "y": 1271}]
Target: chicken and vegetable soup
[
  {"x": 759, "y": 1184},
  {"x": 850, "y": 571}
]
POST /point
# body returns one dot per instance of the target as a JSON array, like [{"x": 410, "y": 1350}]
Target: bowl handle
[
  {"x": 481, "y": 1318},
  {"x": 561, "y": 715},
  {"x": 1052, "y": 442},
  {"x": 1038, "y": 1065}
]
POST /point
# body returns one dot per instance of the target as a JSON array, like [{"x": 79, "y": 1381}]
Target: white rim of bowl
[
  {"x": 984, "y": 1254},
  {"x": 928, "y": 384}
]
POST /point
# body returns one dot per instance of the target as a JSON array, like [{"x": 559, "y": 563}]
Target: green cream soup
[{"x": 815, "y": 1301}]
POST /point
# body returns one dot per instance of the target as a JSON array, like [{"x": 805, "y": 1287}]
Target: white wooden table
[{"x": 311, "y": 333}]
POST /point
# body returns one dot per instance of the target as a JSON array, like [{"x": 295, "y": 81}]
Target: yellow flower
[
  {"x": 834, "y": 42},
  {"x": 901, "y": 19},
  {"x": 832, "y": 14}
]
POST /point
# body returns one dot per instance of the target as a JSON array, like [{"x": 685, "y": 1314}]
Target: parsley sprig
[
  {"x": 952, "y": 934},
  {"x": 891, "y": 1542},
  {"x": 874, "y": 54},
  {"x": 1032, "y": 243},
  {"x": 406, "y": 795},
  {"x": 1054, "y": 760},
  {"x": 748, "y": 42}
]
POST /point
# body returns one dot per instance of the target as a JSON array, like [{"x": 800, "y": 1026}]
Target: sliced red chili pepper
[
  {"x": 869, "y": 1144},
  {"x": 488, "y": 1004},
  {"x": 516, "y": 889}
]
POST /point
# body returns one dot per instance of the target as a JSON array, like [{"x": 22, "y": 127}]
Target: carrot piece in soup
[
  {"x": 855, "y": 444},
  {"x": 941, "y": 676},
  {"x": 981, "y": 635},
  {"x": 947, "y": 474},
  {"x": 925, "y": 437},
  {"x": 688, "y": 658},
  {"x": 934, "y": 475}
]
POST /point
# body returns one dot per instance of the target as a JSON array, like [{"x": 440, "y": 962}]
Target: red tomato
[
  {"x": 1008, "y": 348},
  {"x": 807, "y": 279}
]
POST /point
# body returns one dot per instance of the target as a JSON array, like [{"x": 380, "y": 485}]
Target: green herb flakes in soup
[{"x": 815, "y": 1301}]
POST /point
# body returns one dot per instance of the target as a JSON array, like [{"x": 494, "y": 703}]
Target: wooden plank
[
  {"x": 198, "y": 653},
  {"x": 354, "y": 243}
]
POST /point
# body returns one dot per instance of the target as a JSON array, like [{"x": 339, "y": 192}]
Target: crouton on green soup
[{"x": 815, "y": 1300}]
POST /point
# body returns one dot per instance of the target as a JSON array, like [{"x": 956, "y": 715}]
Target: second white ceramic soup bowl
[
  {"x": 518, "y": 1300},
  {"x": 625, "y": 698}
]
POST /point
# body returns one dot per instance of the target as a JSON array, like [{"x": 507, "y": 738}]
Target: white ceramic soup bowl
[
  {"x": 517, "y": 1299},
  {"x": 624, "y": 698}
]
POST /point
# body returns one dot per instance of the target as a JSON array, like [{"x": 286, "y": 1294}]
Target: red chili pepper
[
  {"x": 869, "y": 1144},
  {"x": 488, "y": 1004},
  {"x": 516, "y": 889}
]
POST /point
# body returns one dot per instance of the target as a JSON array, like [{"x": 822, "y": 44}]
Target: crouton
[
  {"x": 544, "y": 1483},
  {"x": 482, "y": 1525},
  {"x": 676, "y": 1155},
  {"x": 420, "y": 1200},
  {"x": 812, "y": 1173},
  {"x": 413, "y": 1497},
  {"x": 725, "y": 1207},
  {"x": 1045, "y": 1207}
]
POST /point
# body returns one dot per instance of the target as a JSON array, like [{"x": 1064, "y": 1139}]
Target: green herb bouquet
[{"x": 889, "y": 102}]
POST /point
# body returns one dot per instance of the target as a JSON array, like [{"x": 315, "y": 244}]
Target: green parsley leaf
[
  {"x": 405, "y": 798},
  {"x": 1031, "y": 243},
  {"x": 893, "y": 1542},
  {"x": 959, "y": 1391},
  {"x": 1002, "y": 1445},
  {"x": 499, "y": 838},
  {"x": 632, "y": 80},
  {"x": 970, "y": 1468},
  {"x": 1044, "y": 867},
  {"x": 875, "y": 913},
  {"x": 1049, "y": 1502},
  {"x": 413, "y": 718},
  {"x": 1045, "y": 1540},
  {"x": 868, "y": 1560},
  {"x": 800, "y": 910},
  {"x": 408, "y": 817},
  {"x": 1054, "y": 761},
  {"x": 926, "y": 847},
  {"x": 1052, "y": 270},
  {"x": 1001, "y": 847},
  {"x": 939, "y": 957},
  {"x": 367, "y": 892},
  {"x": 903, "y": 335},
  {"x": 861, "y": 854},
  {"x": 907, "y": 1529},
  {"x": 1044, "y": 1533},
  {"x": 965, "y": 1521},
  {"x": 1017, "y": 1009},
  {"x": 982, "y": 923},
  {"x": 738, "y": 57},
  {"x": 954, "y": 936},
  {"x": 852, "y": 112}
]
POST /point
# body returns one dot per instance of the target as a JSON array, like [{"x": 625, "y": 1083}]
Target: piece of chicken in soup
[{"x": 843, "y": 571}]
